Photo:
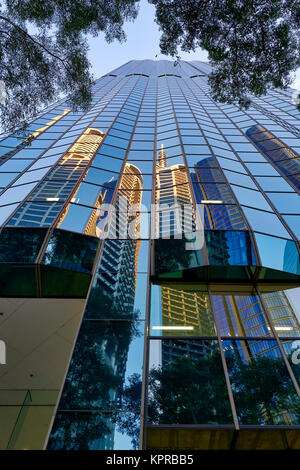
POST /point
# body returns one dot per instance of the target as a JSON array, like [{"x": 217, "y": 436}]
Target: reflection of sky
[{"x": 293, "y": 296}]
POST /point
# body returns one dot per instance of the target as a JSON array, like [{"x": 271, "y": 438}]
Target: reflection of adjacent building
[
  {"x": 179, "y": 308},
  {"x": 46, "y": 201},
  {"x": 243, "y": 315},
  {"x": 173, "y": 197},
  {"x": 25, "y": 142},
  {"x": 209, "y": 185},
  {"x": 276, "y": 151},
  {"x": 116, "y": 282}
]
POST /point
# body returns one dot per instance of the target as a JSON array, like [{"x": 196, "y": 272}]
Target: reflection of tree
[
  {"x": 187, "y": 391},
  {"x": 94, "y": 382},
  {"x": 20, "y": 245},
  {"x": 71, "y": 251},
  {"x": 129, "y": 423},
  {"x": 263, "y": 390},
  {"x": 171, "y": 255}
]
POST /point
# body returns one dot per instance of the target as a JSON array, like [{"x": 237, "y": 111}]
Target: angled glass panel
[
  {"x": 6, "y": 178},
  {"x": 293, "y": 222},
  {"x": 20, "y": 245},
  {"x": 265, "y": 222},
  {"x": 286, "y": 203},
  {"x": 251, "y": 198},
  {"x": 222, "y": 217},
  {"x": 12, "y": 195},
  {"x": 15, "y": 165},
  {"x": 238, "y": 178},
  {"x": 271, "y": 183},
  {"x": 278, "y": 253},
  {"x": 283, "y": 312},
  {"x": 71, "y": 251},
  {"x": 29, "y": 176}
]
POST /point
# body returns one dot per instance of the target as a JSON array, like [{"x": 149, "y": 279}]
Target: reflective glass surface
[{"x": 181, "y": 388}]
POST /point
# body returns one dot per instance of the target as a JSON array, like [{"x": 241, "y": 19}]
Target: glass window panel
[
  {"x": 20, "y": 245},
  {"x": 262, "y": 388},
  {"x": 216, "y": 192},
  {"x": 265, "y": 222},
  {"x": 80, "y": 219},
  {"x": 71, "y": 251},
  {"x": 293, "y": 222},
  {"x": 251, "y": 157},
  {"x": 208, "y": 175},
  {"x": 100, "y": 177},
  {"x": 15, "y": 165},
  {"x": 205, "y": 160},
  {"x": 114, "y": 352},
  {"x": 282, "y": 312},
  {"x": 250, "y": 197},
  {"x": 222, "y": 217},
  {"x": 286, "y": 203},
  {"x": 277, "y": 253},
  {"x": 6, "y": 211},
  {"x": 182, "y": 389},
  {"x": 94, "y": 431},
  {"x": 28, "y": 153},
  {"x": 35, "y": 214},
  {"x": 231, "y": 165},
  {"x": 263, "y": 169},
  {"x": 31, "y": 176},
  {"x": 17, "y": 194},
  {"x": 229, "y": 248},
  {"x": 242, "y": 180},
  {"x": 178, "y": 312},
  {"x": 240, "y": 314},
  {"x": 271, "y": 183},
  {"x": 6, "y": 178}
]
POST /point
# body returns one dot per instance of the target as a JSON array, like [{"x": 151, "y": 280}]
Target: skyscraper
[{"x": 150, "y": 269}]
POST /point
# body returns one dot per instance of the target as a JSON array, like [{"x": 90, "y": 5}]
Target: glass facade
[{"x": 150, "y": 270}]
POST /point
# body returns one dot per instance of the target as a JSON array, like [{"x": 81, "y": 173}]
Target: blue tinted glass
[{"x": 278, "y": 254}]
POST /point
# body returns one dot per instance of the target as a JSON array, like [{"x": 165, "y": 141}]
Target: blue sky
[{"x": 142, "y": 43}]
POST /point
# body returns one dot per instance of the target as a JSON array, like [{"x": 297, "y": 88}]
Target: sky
[{"x": 142, "y": 43}]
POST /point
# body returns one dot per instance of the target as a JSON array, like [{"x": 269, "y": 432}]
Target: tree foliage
[
  {"x": 252, "y": 44},
  {"x": 43, "y": 50}
]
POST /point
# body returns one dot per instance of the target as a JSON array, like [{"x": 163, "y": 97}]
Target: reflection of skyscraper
[
  {"x": 174, "y": 199},
  {"x": 209, "y": 185},
  {"x": 279, "y": 153},
  {"x": 186, "y": 308},
  {"x": 46, "y": 201}
]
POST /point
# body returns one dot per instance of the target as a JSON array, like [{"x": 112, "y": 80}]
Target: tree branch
[{"x": 22, "y": 31}]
